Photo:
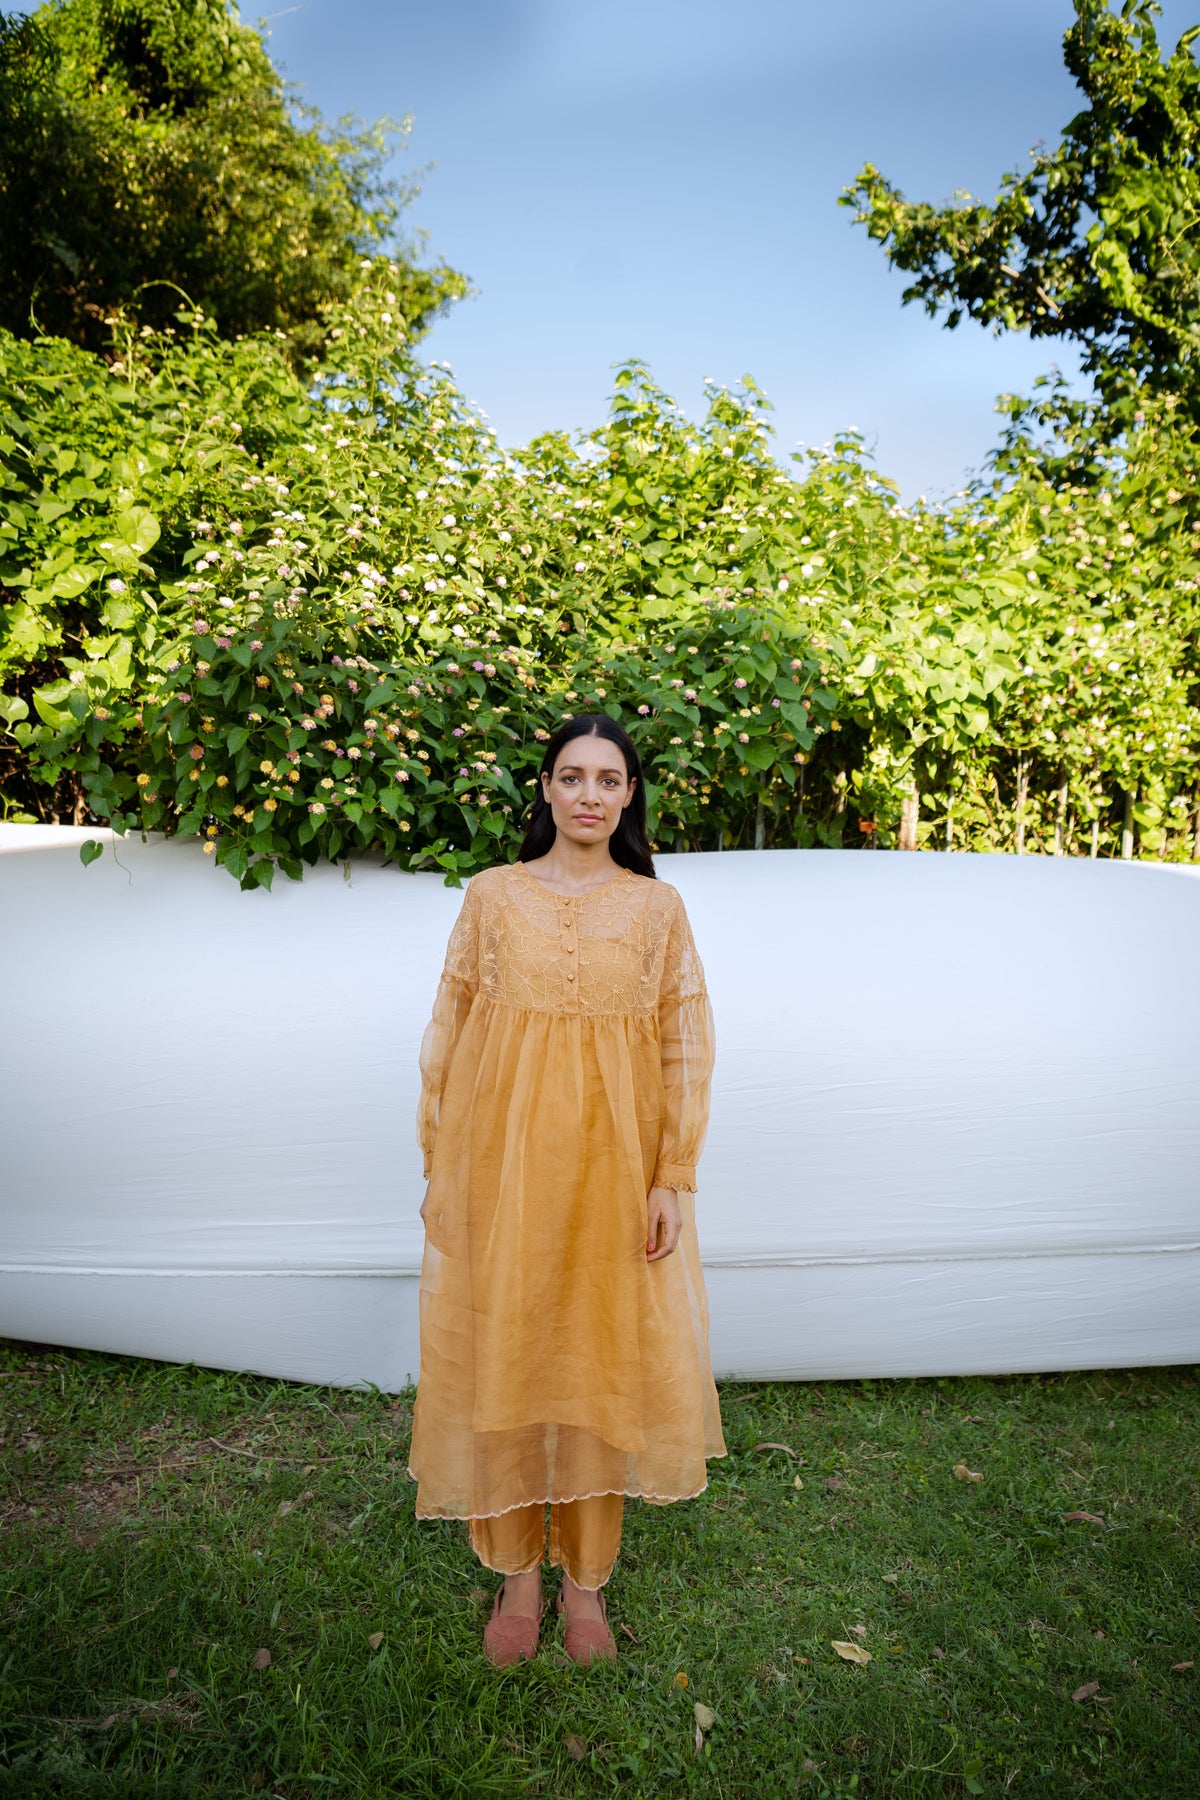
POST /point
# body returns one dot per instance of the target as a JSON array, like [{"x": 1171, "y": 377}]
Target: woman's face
[{"x": 589, "y": 789}]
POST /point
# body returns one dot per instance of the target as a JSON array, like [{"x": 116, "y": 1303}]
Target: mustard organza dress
[{"x": 565, "y": 1071}]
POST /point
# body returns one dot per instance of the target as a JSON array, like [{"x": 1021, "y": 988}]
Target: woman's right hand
[{"x": 424, "y": 1203}]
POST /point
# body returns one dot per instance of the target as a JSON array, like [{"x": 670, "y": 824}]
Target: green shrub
[{"x": 211, "y": 564}]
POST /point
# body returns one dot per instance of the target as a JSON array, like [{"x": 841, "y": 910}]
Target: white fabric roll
[{"x": 955, "y": 1119}]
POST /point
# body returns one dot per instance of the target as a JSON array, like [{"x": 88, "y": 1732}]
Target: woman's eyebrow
[{"x": 567, "y": 768}]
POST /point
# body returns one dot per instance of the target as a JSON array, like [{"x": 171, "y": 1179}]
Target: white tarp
[{"x": 955, "y": 1121}]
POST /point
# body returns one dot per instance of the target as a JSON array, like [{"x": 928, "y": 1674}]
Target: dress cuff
[{"x": 680, "y": 1176}]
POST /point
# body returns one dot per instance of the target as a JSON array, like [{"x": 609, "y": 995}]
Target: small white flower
[
  {"x": 580, "y": 567},
  {"x": 116, "y": 586}
]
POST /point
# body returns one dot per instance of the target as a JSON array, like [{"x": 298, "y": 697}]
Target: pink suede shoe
[
  {"x": 588, "y": 1641},
  {"x": 508, "y": 1640}
]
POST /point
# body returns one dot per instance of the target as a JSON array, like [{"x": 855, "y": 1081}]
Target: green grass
[{"x": 162, "y": 1524}]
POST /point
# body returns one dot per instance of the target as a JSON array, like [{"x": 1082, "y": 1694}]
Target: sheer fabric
[{"x": 565, "y": 1071}]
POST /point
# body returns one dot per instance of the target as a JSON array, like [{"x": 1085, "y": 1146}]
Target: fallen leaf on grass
[
  {"x": 285, "y": 1507},
  {"x": 786, "y": 1447},
  {"x": 628, "y": 1633},
  {"x": 936, "y": 1652},
  {"x": 1176, "y": 1667},
  {"x": 859, "y": 1630},
  {"x": 681, "y": 1679},
  {"x": 1091, "y": 1518},
  {"x": 891, "y": 1578},
  {"x": 262, "y": 1659},
  {"x": 375, "y": 1639},
  {"x": 576, "y": 1747},
  {"x": 802, "y": 1659},
  {"x": 962, "y": 1473},
  {"x": 833, "y": 1482},
  {"x": 1086, "y": 1691},
  {"x": 796, "y": 1482},
  {"x": 705, "y": 1717},
  {"x": 699, "y": 1740},
  {"x": 851, "y": 1652}
]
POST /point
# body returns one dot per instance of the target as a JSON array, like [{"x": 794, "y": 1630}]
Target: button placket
[{"x": 569, "y": 942}]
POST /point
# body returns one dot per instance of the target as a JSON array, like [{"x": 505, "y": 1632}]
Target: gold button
[
  {"x": 570, "y": 949},
  {"x": 570, "y": 974}
]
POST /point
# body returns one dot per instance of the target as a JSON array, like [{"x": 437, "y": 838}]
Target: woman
[{"x": 564, "y": 1104}]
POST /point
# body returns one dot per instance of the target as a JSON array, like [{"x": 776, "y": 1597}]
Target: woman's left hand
[{"x": 662, "y": 1210}]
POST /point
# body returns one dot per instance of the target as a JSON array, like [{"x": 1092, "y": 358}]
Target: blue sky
[{"x": 658, "y": 178}]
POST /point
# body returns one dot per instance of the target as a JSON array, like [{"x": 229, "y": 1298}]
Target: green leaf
[
  {"x": 759, "y": 755},
  {"x": 48, "y": 702},
  {"x": 139, "y": 529},
  {"x": 73, "y": 581},
  {"x": 89, "y": 850}
]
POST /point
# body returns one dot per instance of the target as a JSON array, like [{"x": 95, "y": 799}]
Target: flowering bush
[{"x": 301, "y": 619}]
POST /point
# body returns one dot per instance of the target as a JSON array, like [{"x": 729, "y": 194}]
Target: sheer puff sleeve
[
  {"x": 687, "y": 1037},
  {"x": 456, "y": 989}
]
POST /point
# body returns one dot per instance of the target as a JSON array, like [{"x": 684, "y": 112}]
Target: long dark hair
[{"x": 628, "y": 845}]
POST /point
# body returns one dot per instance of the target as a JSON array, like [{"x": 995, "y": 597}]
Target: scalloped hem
[{"x": 566, "y": 1499}]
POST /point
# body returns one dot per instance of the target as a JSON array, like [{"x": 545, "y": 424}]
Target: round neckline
[{"x": 554, "y": 893}]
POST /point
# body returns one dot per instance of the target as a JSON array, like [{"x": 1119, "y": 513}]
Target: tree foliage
[
  {"x": 1099, "y": 241},
  {"x": 303, "y": 618},
  {"x": 303, "y": 607},
  {"x": 148, "y": 147}
]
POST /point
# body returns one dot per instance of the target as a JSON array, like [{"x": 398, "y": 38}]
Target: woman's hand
[
  {"x": 662, "y": 1220},
  {"x": 424, "y": 1203}
]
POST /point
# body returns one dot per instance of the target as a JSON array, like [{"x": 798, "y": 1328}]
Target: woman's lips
[{"x": 587, "y": 818}]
